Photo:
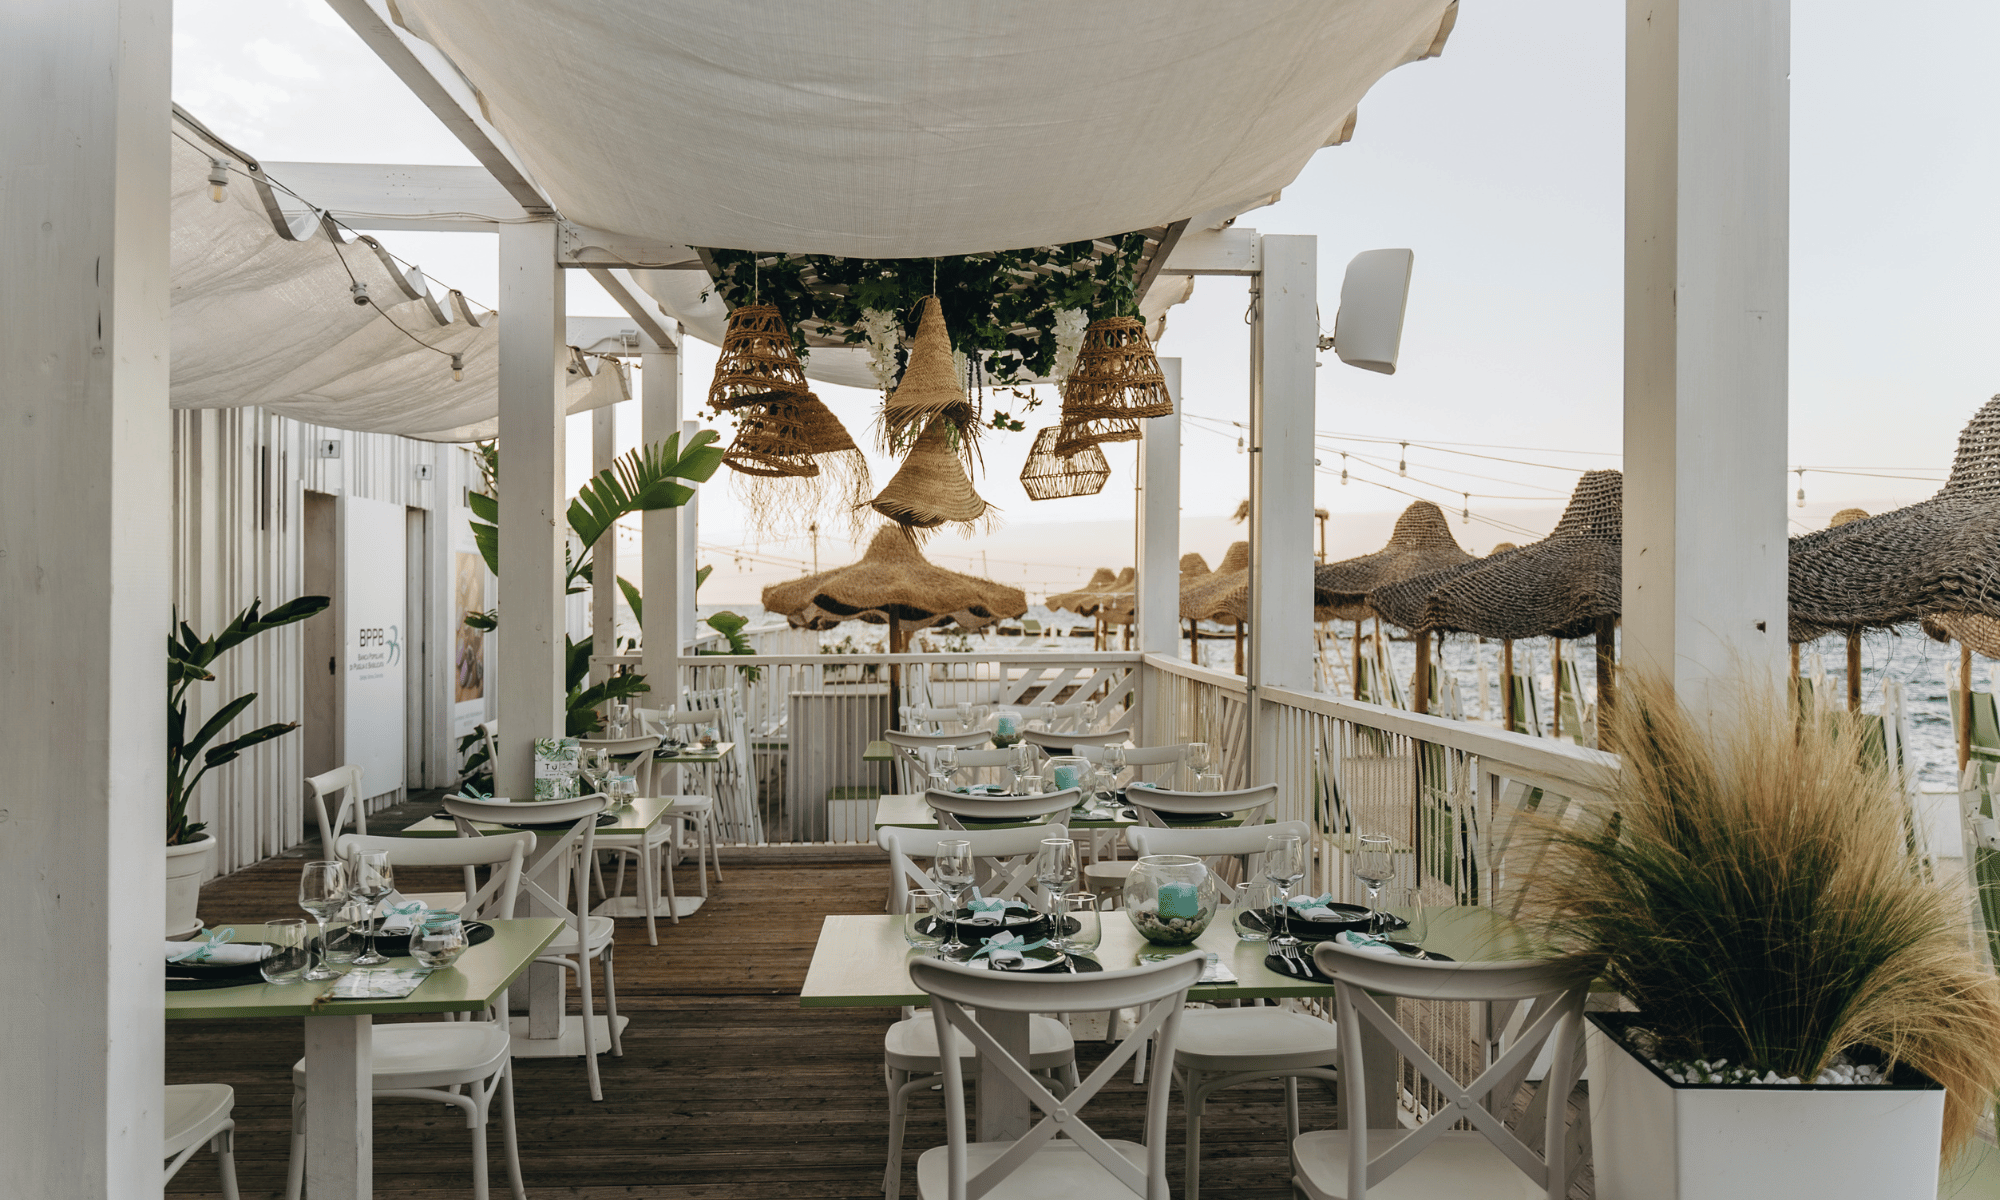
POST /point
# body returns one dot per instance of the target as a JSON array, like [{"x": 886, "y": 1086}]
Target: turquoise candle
[
  {"x": 1004, "y": 725},
  {"x": 1179, "y": 900},
  {"x": 1066, "y": 778}
]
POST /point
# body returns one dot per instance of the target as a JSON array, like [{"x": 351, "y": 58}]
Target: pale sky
[{"x": 1500, "y": 165}]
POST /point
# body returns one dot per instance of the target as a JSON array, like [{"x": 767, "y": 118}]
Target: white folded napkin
[
  {"x": 218, "y": 954},
  {"x": 1214, "y": 972},
  {"x": 400, "y": 914},
  {"x": 1365, "y": 944}
]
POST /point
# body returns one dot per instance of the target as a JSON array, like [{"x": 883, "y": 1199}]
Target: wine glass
[
  {"x": 1252, "y": 916},
  {"x": 322, "y": 891},
  {"x": 965, "y": 715},
  {"x": 1284, "y": 865},
  {"x": 953, "y": 868},
  {"x": 1196, "y": 758},
  {"x": 1057, "y": 871},
  {"x": 1408, "y": 904},
  {"x": 289, "y": 956},
  {"x": 1023, "y": 767},
  {"x": 923, "y": 920},
  {"x": 1081, "y": 908},
  {"x": 372, "y": 880},
  {"x": 1373, "y": 866},
  {"x": 944, "y": 766},
  {"x": 1048, "y": 715},
  {"x": 439, "y": 940},
  {"x": 1114, "y": 760}
]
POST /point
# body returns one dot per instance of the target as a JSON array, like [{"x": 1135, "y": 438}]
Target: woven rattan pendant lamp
[
  {"x": 1048, "y": 475},
  {"x": 930, "y": 393},
  {"x": 797, "y": 459},
  {"x": 758, "y": 361},
  {"x": 931, "y": 488},
  {"x": 1116, "y": 383}
]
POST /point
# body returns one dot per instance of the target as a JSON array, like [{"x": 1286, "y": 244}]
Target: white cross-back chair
[
  {"x": 197, "y": 1115},
  {"x": 587, "y": 937},
  {"x": 1005, "y": 862},
  {"x": 937, "y": 716},
  {"x": 467, "y": 1064},
  {"x": 1065, "y": 743},
  {"x": 1075, "y": 716},
  {"x": 649, "y": 851},
  {"x": 1159, "y": 807},
  {"x": 1080, "y": 1164},
  {"x": 954, "y": 809},
  {"x": 1174, "y": 758},
  {"x": 1225, "y": 1047},
  {"x": 697, "y": 813},
  {"x": 735, "y": 776},
  {"x": 1432, "y": 1159},
  {"x": 336, "y": 797},
  {"x": 913, "y": 752}
]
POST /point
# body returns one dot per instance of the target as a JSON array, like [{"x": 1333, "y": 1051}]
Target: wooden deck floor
[{"x": 728, "y": 1090}]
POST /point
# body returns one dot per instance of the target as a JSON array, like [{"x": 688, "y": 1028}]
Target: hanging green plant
[{"x": 1003, "y": 308}]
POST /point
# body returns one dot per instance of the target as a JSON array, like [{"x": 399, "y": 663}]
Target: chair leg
[
  {"x": 597, "y": 873},
  {"x": 511, "y": 1143},
  {"x": 892, "y": 1179},
  {"x": 1292, "y": 1108},
  {"x": 477, "y": 1123},
  {"x": 649, "y": 886},
  {"x": 1139, "y": 1061},
  {"x": 1192, "y": 1094},
  {"x": 589, "y": 1024},
  {"x": 224, "y": 1145},
  {"x": 714, "y": 858},
  {"x": 295, "y": 1166},
  {"x": 611, "y": 1005}
]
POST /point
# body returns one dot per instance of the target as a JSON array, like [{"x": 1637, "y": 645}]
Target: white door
[{"x": 374, "y": 634}]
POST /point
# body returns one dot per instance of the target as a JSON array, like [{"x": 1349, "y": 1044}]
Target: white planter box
[
  {"x": 187, "y": 867},
  {"x": 1654, "y": 1139}
]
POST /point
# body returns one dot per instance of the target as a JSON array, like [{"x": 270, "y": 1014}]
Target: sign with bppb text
[{"x": 373, "y": 608}]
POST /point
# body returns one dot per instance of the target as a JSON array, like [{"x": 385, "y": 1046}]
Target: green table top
[
  {"x": 878, "y": 752},
  {"x": 909, "y": 811},
  {"x": 634, "y": 818},
  {"x": 863, "y": 962},
  {"x": 468, "y": 985}
]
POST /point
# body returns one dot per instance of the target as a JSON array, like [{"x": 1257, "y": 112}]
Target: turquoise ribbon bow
[
  {"x": 1008, "y": 941},
  {"x": 981, "y": 904},
  {"x": 198, "y": 951},
  {"x": 1325, "y": 901}
]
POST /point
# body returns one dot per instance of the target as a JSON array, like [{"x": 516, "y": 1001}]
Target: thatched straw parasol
[
  {"x": 1420, "y": 543},
  {"x": 1935, "y": 557},
  {"x": 1564, "y": 586},
  {"x": 894, "y": 583},
  {"x": 1087, "y": 594}
]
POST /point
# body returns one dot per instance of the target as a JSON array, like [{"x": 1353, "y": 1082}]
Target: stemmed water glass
[
  {"x": 1196, "y": 759},
  {"x": 1372, "y": 866},
  {"x": 944, "y": 766},
  {"x": 322, "y": 892},
  {"x": 1057, "y": 871},
  {"x": 373, "y": 879},
  {"x": 1023, "y": 767},
  {"x": 1284, "y": 866},
  {"x": 953, "y": 869},
  {"x": 965, "y": 715}
]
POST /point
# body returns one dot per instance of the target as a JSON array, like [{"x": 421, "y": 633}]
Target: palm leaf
[
  {"x": 230, "y": 749},
  {"x": 643, "y": 480},
  {"x": 632, "y": 598},
  {"x": 215, "y": 724}
]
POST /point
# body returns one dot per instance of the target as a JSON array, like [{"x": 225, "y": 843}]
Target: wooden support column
[
  {"x": 1707, "y": 133},
  {"x": 1156, "y": 600},
  {"x": 659, "y": 531},
  {"x": 1420, "y": 683},
  {"x": 85, "y": 592},
  {"x": 1507, "y": 714},
  {"x": 1964, "y": 706},
  {"x": 1284, "y": 344},
  {"x": 533, "y": 526},
  {"x": 1854, "y": 670}
]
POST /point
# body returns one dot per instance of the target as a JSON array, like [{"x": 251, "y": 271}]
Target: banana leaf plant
[{"x": 189, "y": 756}]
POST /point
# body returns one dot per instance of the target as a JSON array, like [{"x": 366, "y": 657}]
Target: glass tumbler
[
  {"x": 291, "y": 952},
  {"x": 921, "y": 927},
  {"x": 1081, "y": 910},
  {"x": 440, "y": 940}
]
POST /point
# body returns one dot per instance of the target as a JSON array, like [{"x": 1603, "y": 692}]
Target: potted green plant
[
  {"x": 1811, "y": 1020},
  {"x": 190, "y": 849}
]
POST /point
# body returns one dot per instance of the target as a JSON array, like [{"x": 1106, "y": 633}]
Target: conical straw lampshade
[
  {"x": 1116, "y": 383},
  {"x": 931, "y": 487},
  {"x": 930, "y": 387},
  {"x": 758, "y": 361},
  {"x": 1051, "y": 476}
]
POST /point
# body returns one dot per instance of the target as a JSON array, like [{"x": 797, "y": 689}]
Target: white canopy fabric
[
  {"x": 885, "y": 129},
  {"x": 264, "y": 314}
]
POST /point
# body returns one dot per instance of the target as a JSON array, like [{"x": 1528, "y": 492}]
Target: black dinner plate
[
  {"x": 1273, "y": 963},
  {"x": 1046, "y": 960},
  {"x": 396, "y": 945},
  {"x": 1320, "y": 931},
  {"x": 195, "y": 977},
  {"x": 1028, "y": 926}
]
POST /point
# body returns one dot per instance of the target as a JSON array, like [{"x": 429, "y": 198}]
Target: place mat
[
  {"x": 1050, "y": 961},
  {"x": 1029, "y": 925},
  {"x": 1303, "y": 967},
  {"x": 608, "y": 817},
  {"x": 196, "y": 977},
  {"x": 397, "y": 945},
  {"x": 1323, "y": 931}
]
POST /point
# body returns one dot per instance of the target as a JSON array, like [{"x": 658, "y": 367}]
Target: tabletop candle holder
[{"x": 1171, "y": 898}]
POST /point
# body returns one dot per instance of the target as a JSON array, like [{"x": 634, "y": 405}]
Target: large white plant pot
[
  {"x": 1654, "y": 1139},
  {"x": 187, "y": 866}
]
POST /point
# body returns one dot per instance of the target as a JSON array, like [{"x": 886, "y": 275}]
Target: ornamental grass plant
[{"x": 1751, "y": 886}]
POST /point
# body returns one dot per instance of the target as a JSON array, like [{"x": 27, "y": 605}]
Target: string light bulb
[
  {"x": 360, "y": 293},
  {"x": 1343, "y": 468},
  {"x": 1802, "y": 487},
  {"x": 218, "y": 179},
  {"x": 458, "y": 368},
  {"x": 1239, "y": 444},
  {"x": 1465, "y": 514},
  {"x": 1403, "y": 460}
]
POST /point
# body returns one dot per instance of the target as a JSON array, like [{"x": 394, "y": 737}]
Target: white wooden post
[
  {"x": 660, "y": 408},
  {"x": 604, "y": 559},
  {"x": 1284, "y": 343},
  {"x": 340, "y": 1126},
  {"x": 689, "y": 545},
  {"x": 1157, "y": 552},
  {"x": 85, "y": 597},
  {"x": 532, "y": 522},
  {"x": 1707, "y": 129}
]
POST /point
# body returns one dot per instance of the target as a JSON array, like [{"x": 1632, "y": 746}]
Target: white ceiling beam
[
  {"x": 1215, "y": 252},
  {"x": 426, "y": 71},
  {"x": 619, "y": 336},
  {"x": 582, "y": 246},
  {"x": 392, "y": 196},
  {"x": 640, "y": 307}
]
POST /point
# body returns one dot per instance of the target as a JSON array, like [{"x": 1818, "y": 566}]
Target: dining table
[
  {"x": 911, "y": 811},
  {"x": 547, "y": 1031},
  {"x": 339, "y": 1035},
  {"x": 863, "y": 961}
]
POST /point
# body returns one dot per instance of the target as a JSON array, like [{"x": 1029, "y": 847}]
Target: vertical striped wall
[{"x": 239, "y": 478}]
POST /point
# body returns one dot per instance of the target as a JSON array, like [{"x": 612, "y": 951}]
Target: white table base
[
  {"x": 569, "y": 1044},
  {"x": 1004, "y": 1111},
  {"x": 340, "y": 1097},
  {"x": 632, "y": 906}
]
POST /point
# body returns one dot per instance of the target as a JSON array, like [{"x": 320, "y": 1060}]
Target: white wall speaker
[{"x": 1368, "y": 330}]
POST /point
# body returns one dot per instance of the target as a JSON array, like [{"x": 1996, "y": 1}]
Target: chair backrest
[
  {"x": 621, "y": 747},
  {"x": 1243, "y": 842},
  {"x": 904, "y": 740},
  {"x": 1555, "y": 991},
  {"x": 985, "y": 758},
  {"x": 1155, "y": 805},
  {"x": 579, "y": 839},
  {"x": 489, "y": 735},
  {"x": 1137, "y": 757},
  {"x": 953, "y": 808},
  {"x": 1007, "y": 856},
  {"x": 1065, "y": 743},
  {"x": 506, "y": 853},
  {"x": 957, "y": 992},
  {"x": 341, "y": 788}
]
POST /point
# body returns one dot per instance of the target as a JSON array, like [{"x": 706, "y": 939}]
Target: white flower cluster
[
  {"x": 1069, "y": 327},
  {"x": 1702, "y": 1071},
  {"x": 884, "y": 332}
]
